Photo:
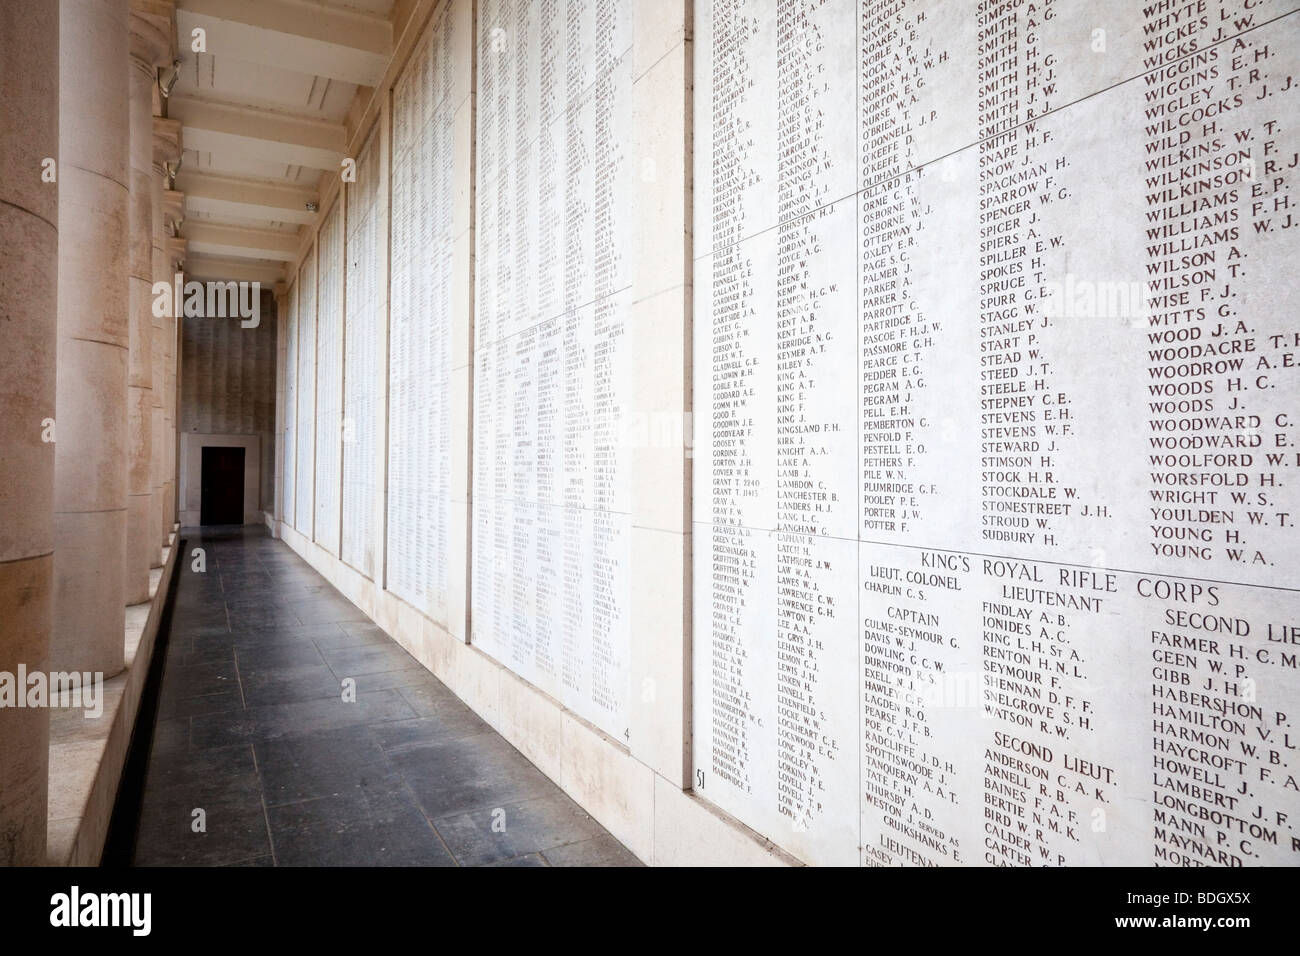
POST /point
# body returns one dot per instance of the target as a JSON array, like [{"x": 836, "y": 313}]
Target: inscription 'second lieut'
[{"x": 996, "y": 397}]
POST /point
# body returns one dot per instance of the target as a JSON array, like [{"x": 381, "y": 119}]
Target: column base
[
  {"x": 87, "y": 755},
  {"x": 25, "y": 591},
  {"x": 140, "y": 545}
]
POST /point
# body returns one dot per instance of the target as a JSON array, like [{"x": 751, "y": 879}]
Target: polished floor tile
[{"x": 292, "y": 731}]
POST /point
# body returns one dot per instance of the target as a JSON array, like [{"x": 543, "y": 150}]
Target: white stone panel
[
  {"x": 290, "y": 466},
  {"x": 362, "y": 330},
  {"x": 329, "y": 378},
  {"x": 420, "y": 414},
  {"x": 306, "y": 437},
  {"x": 993, "y": 556},
  {"x": 550, "y": 526}
]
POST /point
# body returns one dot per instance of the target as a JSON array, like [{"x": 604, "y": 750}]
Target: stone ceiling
[{"x": 263, "y": 109}]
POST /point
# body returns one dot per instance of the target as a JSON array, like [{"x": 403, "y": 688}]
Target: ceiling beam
[
  {"x": 236, "y": 242},
  {"x": 305, "y": 37},
  {"x": 259, "y": 134},
  {"x": 227, "y": 197},
  {"x": 200, "y": 268}
]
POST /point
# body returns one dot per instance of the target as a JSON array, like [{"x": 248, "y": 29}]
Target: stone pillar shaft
[
  {"x": 144, "y": 514},
  {"x": 90, "y": 457},
  {"x": 158, "y": 368},
  {"x": 168, "y": 209},
  {"x": 176, "y": 249},
  {"x": 29, "y": 148}
]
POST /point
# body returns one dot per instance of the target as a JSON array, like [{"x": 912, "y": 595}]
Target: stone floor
[{"x": 252, "y": 729}]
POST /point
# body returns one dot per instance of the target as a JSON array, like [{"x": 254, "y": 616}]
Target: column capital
[{"x": 153, "y": 32}]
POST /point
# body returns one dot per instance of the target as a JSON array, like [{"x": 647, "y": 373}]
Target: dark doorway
[{"x": 223, "y": 486}]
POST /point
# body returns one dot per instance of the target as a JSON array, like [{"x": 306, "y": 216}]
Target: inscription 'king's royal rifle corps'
[{"x": 996, "y": 397}]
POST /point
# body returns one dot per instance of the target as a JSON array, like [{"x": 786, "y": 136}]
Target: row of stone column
[{"x": 87, "y": 372}]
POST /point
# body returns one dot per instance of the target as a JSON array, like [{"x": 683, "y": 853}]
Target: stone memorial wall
[
  {"x": 361, "y": 361},
  {"x": 287, "y": 450},
  {"x": 996, "y": 422},
  {"x": 977, "y": 545},
  {"x": 419, "y": 374},
  {"x": 306, "y": 400},
  {"x": 329, "y": 377},
  {"x": 550, "y": 508}
]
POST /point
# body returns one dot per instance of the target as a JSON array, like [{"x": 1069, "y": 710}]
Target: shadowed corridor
[{"x": 253, "y": 730}]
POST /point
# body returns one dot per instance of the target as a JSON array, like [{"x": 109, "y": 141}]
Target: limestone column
[
  {"x": 157, "y": 358},
  {"x": 148, "y": 48},
  {"x": 174, "y": 204},
  {"x": 29, "y": 147},
  {"x": 176, "y": 251},
  {"x": 166, "y": 149},
  {"x": 90, "y": 457}
]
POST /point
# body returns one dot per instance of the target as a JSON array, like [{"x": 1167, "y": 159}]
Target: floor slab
[{"x": 292, "y": 731}]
